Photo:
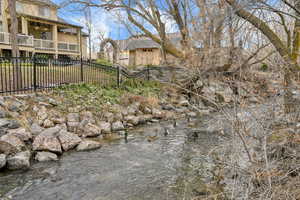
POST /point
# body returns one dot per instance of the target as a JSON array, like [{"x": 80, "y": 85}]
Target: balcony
[
  {"x": 44, "y": 44},
  {"x": 23, "y": 40},
  {"x": 39, "y": 44},
  {"x": 64, "y": 46}
]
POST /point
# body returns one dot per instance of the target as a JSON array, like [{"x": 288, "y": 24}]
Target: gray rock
[
  {"x": 48, "y": 123},
  {"x": 15, "y": 106},
  {"x": 13, "y": 124},
  {"x": 72, "y": 126},
  {"x": 157, "y": 113},
  {"x": 191, "y": 114},
  {"x": 132, "y": 119},
  {"x": 184, "y": 103},
  {"x": 118, "y": 117},
  {"x": 36, "y": 129},
  {"x": 147, "y": 110},
  {"x": 48, "y": 141},
  {"x": 20, "y": 160},
  {"x": 7, "y": 148},
  {"x": 88, "y": 145},
  {"x": 4, "y": 123},
  {"x": 132, "y": 110},
  {"x": 3, "y": 114},
  {"x": 58, "y": 120},
  {"x": 105, "y": 127},
  {"x": 91, "y": 130},
  {"x": 44, "y": 156},
  {"x": 117, "y": 126},
  {"x": 168, "y": 107},
  {"x": 73, "y": 117},
  {"x": 145, "y": 118},
  {"x": 20, "y": 133},
  {"x": 109, "y": 116},
  {"x": 14, "y": 141},
  {"x": 68, "y": 140},
  {"x": 2, "y": 160},
  {"x": 42, "y": 114},
  {"x": 53, "y": 102}
]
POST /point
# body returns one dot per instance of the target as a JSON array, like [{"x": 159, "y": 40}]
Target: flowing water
[{"x": 168, "y": 167}]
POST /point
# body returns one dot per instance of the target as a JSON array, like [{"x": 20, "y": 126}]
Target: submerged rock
[
  {"x": 2, "y": 160},
  {"x": 45, "y": 156},
  {"x": 20, "y": 160},
  {"x": 68, "y": 140},
  {"x": 88, "y": 145},
  {"x": 117, "y": 126}
]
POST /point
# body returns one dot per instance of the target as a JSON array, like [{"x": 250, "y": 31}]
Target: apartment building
[{"x": 41, "y": 31}]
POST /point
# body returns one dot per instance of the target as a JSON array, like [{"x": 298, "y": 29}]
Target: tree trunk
[{"x": 17, "y": 73}]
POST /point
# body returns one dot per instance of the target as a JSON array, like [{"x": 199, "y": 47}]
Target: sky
[{"x": 102, "y": 21}]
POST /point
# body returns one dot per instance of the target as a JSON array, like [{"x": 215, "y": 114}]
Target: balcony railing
[
  {"x": 24, "y": 40},
  {"x": 64, "y": 46},
  {"x": 44, "y": 44}
]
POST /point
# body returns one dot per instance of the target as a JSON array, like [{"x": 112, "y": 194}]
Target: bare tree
[{"x": 17, "y": 76}]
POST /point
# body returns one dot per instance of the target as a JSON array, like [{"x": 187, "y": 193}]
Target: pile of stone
[{"x": 41, "y": 132}]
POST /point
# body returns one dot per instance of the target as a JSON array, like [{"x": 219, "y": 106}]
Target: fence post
[
  {"x": 34, "y": 73},
  {"x": 148, "y": 73},
  {"x": 81, "y": 69},
  {"x": 118, "y": 76}
]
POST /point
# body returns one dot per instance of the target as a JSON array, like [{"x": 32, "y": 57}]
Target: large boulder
[
  {"x": 90, "y": 130},
  {"x": 45, "y": 156},
  {"x": 36, "y": 129},
  {"x": 88, "y": 116},
  {"x": 68, "y": 140},
  {"x": 14, "y": 141},
  {"x": 73, "y": 117},
  {"x": 2, "y": 160},
  {"x": 48, "y": 141},
  {"x": 20, "y": 133},
  {"x": 20, "y": 160},
  {"x": 117, "y": 126},
  {"x": 132, "y": 119},
  {"x": 9, "y": 123},
  {"x": 7, "y": 148},
  {"x": 105, "y": 127},
  {"x": 72, "y": 126},
  {"x": 86, "y": 145}
]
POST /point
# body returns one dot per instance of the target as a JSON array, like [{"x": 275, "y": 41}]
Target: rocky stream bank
[{"x": 37, "y": 128}]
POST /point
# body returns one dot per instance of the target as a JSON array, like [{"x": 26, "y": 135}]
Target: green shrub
[{"x": 264, "y": 67}]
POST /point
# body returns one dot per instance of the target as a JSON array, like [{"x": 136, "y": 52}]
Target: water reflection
[{"x": 130, "y": 168}]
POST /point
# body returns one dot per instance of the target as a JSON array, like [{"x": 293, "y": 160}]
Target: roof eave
[{"x": 49, "y": 20}]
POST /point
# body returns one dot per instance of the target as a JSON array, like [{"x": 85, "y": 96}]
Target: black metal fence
[{"x": 19, "y": 75}]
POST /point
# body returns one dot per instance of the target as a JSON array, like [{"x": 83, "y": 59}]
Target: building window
[
  {"x": 1, "y": 26},
  {"x": 44, "y": 11},
  {"x": 0, "y": 7},
  {"x": 19, "y": 7}
]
